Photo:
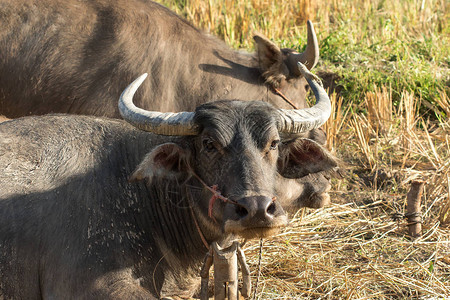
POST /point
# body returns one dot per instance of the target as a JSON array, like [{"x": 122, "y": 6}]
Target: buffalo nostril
[
  {"x": 241, "y": 211},
  {"x": 271, "y": 209}
]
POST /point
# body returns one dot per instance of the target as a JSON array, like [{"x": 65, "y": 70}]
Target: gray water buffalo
[
  {"x": 94, "y": 208},
  {"x": 72, "y": 56}
]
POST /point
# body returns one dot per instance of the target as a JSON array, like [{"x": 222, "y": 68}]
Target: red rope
[
  {"x": 216, "y": 195},
  {"x": 199, "y": 230},
  {"x": 279, "y": 93}
]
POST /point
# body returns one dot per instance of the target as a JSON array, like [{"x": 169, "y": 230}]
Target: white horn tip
[
  {"x": 141, "y": 78},
  {"x": 306, "y": 73},
  {"x": 302, "y": 68}
]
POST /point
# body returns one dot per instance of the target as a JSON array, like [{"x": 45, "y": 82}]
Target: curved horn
[
  {"x": 311, "y": 55},
  {"x": 157, "y": 122},
  {"x": 301, "y": 120}
]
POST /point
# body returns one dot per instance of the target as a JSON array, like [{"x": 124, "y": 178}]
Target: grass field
[{"x": 390, "y": 61}]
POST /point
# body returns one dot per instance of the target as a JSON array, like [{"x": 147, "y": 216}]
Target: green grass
[{"x": 383, "y": 49}]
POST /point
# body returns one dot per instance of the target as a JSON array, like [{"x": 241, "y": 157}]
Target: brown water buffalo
[
  {"x": 73, "y": 56},
  {"x": 94, "y": 208}
]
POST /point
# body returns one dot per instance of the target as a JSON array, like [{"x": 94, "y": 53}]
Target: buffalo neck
[{"x": 169, "y": 223}]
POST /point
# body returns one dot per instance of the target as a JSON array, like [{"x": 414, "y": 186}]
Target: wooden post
[
  {"x": 225, "y": 261},
  {"x": 414, "y": 198},
  {"x": 225, "y": 272}
]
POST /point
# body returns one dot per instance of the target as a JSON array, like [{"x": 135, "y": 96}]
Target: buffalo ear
[
  {"x": 302, "y": 157},
  {"x": 165, "y": 161},
  {"x": 270, "y": 60}
]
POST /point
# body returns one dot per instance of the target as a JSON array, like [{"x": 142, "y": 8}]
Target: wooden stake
[
  {"x": 225, "y": 261},
  {"x": 414, "y": 198}
]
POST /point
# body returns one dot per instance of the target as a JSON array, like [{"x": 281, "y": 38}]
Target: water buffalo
[
  {"x": 72, "y": 56},
  {"x": 94, "y": 208}
]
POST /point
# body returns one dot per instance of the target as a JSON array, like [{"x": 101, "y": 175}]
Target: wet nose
[{"x": 257, "y": 210}]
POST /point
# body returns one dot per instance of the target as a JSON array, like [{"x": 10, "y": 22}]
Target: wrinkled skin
[
  {"x": 71, "y": 56},
  {"x": 93, "y": 208}
]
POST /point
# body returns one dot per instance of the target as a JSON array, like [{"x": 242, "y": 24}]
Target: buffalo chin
[{"x": 253, "y": 232}]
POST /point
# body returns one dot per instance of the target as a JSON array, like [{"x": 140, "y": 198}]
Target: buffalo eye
[
  {"x": 208, "y": 145},
  {"x": 274, "y": 144}
]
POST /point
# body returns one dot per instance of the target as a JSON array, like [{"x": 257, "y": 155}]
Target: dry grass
[
  {"x": 333, "y": 127},
  {"x": 353, "y": 251},
  {"x": 236, "y": 23}
]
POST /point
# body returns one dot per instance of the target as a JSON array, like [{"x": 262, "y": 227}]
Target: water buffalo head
[
  {"x": 235, "y": 157},
  {"x": 279, "y": 66}
]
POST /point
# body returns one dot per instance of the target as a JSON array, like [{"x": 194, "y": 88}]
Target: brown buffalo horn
[
  {"x": 311, "y": 55},
  {"x": 301, "y": 120},
  {"x": 181, "y": 123}
]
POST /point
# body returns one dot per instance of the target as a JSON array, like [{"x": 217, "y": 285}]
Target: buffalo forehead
[{"x": 229, "y": 121}]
